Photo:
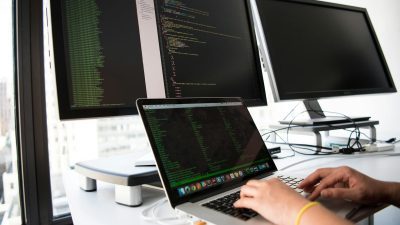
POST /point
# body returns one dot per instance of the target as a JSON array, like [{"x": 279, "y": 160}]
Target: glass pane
[
  {"x": 73, "y": 141},
  {"x": 10, "y": 211}
]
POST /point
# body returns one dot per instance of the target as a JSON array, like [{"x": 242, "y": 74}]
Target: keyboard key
[{"x": 225, "y": 205}]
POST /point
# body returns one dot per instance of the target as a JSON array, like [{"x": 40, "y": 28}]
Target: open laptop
[{"x": 205, "y": 149}]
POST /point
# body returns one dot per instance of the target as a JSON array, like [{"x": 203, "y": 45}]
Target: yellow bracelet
[{"x": 303, "y": 210}]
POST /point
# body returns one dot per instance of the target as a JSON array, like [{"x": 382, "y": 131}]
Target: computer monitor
[
  {"x": 98, "y": 58},
  {"x": 316, "y": 49},
  {"x": 209, "y": 49},
  {"x": 109, "y": 53}
]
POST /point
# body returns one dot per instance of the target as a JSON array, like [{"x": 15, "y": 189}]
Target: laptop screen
[{"x": 202, "y": 145}]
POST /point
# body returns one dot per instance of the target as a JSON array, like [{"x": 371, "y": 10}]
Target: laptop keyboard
[
  {"x": 292, "y": 182},
  {"x": 225, "y": 203}
]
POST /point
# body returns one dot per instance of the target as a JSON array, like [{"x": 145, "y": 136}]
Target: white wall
[{"x": 385, "y": 16}]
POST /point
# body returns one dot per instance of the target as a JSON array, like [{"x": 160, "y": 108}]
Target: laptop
[{"x": 205, "y": 150}]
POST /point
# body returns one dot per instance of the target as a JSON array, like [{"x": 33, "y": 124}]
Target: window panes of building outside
[{"x": 10, "y": 211}]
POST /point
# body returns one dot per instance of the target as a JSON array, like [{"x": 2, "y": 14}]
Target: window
[{"x": 10, "y": 211}]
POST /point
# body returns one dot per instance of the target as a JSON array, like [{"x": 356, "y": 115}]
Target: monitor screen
[
  {"x": 109, "y": 53},
  {"x": 318, "y": 49},
  {"x": 98, "y": 57},
  {"x": 208, "y": 49}
]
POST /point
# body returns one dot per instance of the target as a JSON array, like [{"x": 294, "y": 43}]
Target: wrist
[
  {"x": 304, "y": 210},
  {"x": 391, "y": 193},
  {"x": 294, "y": 209}
]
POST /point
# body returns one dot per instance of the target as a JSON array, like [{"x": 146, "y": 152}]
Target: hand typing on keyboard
[
  {"x": 279, "y": 201},
  {"x": 347, "y": 183},
  {"x": 225, "y": 205},
  {"x": 273, "y": 199}
]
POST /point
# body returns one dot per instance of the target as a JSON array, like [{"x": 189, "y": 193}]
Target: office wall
[{"x": 385, "y": 16}]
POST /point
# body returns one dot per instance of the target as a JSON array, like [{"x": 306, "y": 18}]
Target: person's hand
[
  {"x": 272, "y": 199},
  {"x": 343, "y": 183}
]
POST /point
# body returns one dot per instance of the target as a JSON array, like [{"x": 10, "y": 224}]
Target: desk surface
[{"x": 99, "y": 207}]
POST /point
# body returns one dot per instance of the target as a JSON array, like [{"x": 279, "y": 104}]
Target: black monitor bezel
[
  {"x": 249, "y": 102},
  {"x": 334, "y": 93},
  {"x": 66, "y": 112}
]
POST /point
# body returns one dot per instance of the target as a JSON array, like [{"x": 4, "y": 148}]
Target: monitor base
[
  {"x": 317, "y": 116},
  {"x": 325, "y": 121}
]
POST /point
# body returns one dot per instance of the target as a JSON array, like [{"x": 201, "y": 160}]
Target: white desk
[{"x": 99, "y": 207}]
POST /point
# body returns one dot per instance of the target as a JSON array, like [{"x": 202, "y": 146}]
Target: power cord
[
  {"x": 293, "y": 146},
  {"x": 316, "y": 152},
  {"x": 287, "y": 115},
  {"x": 151, "y": 214},
  {"x": 350, "y": 147},
  {"x": 389, "y": 141}
]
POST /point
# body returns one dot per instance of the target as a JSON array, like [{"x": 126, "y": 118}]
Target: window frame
[{"x": 31, "y": 121}]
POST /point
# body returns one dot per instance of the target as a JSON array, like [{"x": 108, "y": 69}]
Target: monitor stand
[{"x": 317, "y": 116}]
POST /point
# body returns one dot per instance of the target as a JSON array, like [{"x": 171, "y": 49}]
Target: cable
[
  {"x": 287, "y": 135},
  {"x": 150, "y": 214},
  {"x": 284, "y": 157},
  {"x": 365, "y": 135},
  {"x": 353, "y": 144},
  {"x": 291, "y": 111},
  {"x": 294, "y": 151},
  {"x": 350, "y": 147},
  {"x": 276, "y": 134},
  {"x": 274, "y": 131},
  {"x": 302, "y": 145}
]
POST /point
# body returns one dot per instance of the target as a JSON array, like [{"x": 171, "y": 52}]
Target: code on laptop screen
[{"x": 205, "y": 145}]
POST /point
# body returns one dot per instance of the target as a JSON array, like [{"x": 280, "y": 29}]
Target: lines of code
[
  {"x": 196, "y": 129},
  {"x": 85, "y": 52},
  {"x": 103, "y": 57},
  {"x": 199, "y": 143},
  {"x": 202, "y": 44},
  {"x": 175, "y": 172}
]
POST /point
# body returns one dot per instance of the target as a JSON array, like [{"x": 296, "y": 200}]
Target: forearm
[
  {"x": 318, "y": 213},
  {"x": 392, "y": 193},
  {"x": 312, "y": 215}
]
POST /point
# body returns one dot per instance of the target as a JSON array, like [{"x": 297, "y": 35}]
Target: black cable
[
  {"x": 349, "y": 148},
  {"x": 298, "y": 144},
  {"x": 284, "y": 128},
  {"x": 276, "y": 134},
  {"x": 294, "y": 150},
  {"x": 390, "y": 140},
  {"x": 291, "y": 111},
  {"x": 287, "y": 137},
  {"x": 303, "y": 146},
  {"x": 365, "y": 135},
  {"x": 356, "y": 130}
]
